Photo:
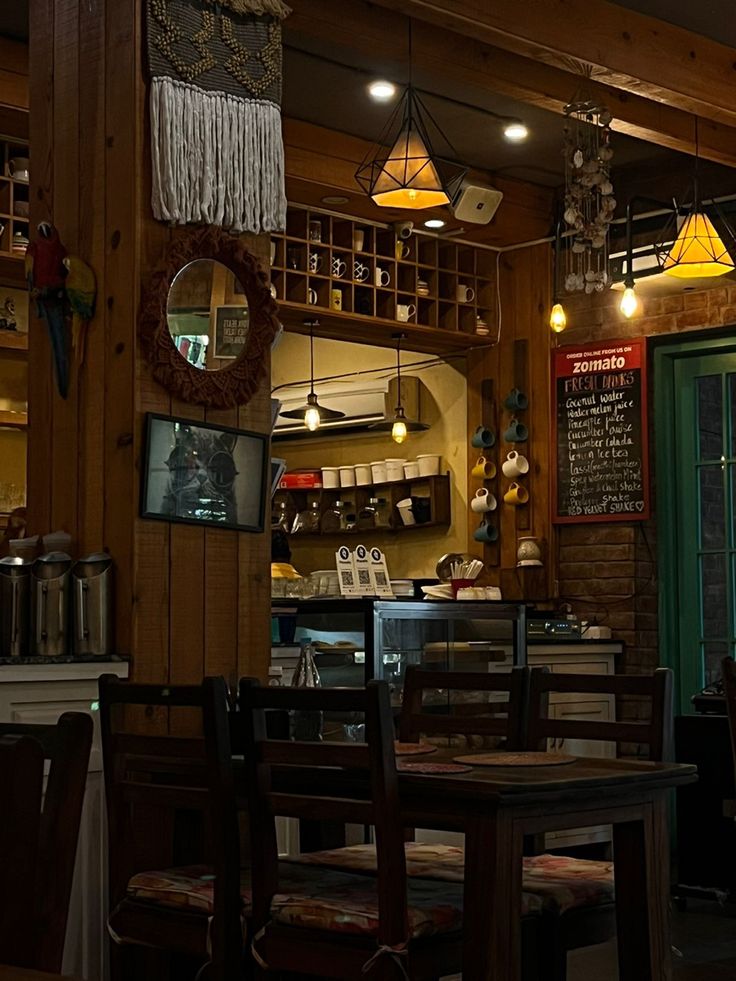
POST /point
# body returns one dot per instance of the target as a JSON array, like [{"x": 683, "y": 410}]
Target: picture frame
[
  {"x": 231, "y": 331},
  {"x": 204, "y": 474}
]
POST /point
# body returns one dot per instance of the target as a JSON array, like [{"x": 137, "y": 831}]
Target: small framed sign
[{"x": 231, "y": 330}]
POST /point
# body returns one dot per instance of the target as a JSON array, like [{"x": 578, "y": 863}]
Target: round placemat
[
  {"x": 516, "y": 759},
  {"x": 413, "y": 749},
  {"x": 406, "y": 767}
]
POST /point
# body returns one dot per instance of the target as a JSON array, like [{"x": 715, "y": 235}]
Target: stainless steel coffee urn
[
  {"x": 50, "y": 605},
  {"x": 92, "y": 592},
  {"x": 15, "y": 597}
]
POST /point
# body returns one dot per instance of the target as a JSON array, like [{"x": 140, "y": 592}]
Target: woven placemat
[
  {"x": 413, "y": 749},
  {"x": 404, "y": 766},
  {"x": 516, "y": 759}
]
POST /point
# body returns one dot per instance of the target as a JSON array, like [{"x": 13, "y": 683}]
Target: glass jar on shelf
[
  {"x": 367, "y": 516},
  {"x": 307, "y": 522},
  {"x": 335, "y": 518}
]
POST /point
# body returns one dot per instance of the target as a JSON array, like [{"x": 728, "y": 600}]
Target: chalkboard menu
[{"x": 600, "y": 456}]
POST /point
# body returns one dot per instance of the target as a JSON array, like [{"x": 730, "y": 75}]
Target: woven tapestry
[{"x": 216, "y": 143}]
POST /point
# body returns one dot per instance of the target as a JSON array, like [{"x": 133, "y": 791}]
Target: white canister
[
  {"x": 362, "y": 474},
  {"x": 378, "y": 471},
  {"x": 394, "y": 468},
  {"x": 429, "y": 464},
  {"x": 330, "y": 477},
  {"x": 411, "y": 470},
  {"x": 407, "y": 515},
  {"x": 347, "y": 476}
]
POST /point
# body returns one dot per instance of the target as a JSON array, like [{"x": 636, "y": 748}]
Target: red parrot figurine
[{"x": 45, "y": 273}]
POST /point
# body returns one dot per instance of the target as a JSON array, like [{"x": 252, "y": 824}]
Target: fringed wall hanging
[{"x": 216, "y": 143}]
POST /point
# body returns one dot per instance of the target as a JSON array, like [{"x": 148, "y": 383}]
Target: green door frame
[{"x": 666, "y": 355}]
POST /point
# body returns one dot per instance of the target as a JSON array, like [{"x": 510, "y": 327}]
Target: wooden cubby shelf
[
  {"x": 428, "y": 275},
  {"x": 13, "y": 193},
  {"x": 436, "y": 489}
]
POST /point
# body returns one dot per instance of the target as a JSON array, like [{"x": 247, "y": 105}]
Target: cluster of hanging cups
[
  {"x": 484, "y": 502},
  {"x": 516, "y": 465}
]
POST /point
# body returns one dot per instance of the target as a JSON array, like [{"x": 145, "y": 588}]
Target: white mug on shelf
[
  {"x": 464, "y": 293},
  {"x": 315, "y": 262},
  {"x": 360, "y": 272},
  {"x": 382, "y": 277},
  {"x": 311, "y": 296},
  {"x": 405, "y": 311},
  {"x": 338, "y": 267}
]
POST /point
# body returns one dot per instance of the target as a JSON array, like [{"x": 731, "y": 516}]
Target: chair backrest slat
[
  {"x": 656, "y": 733},
  {"x": 329, "y": 787},
  {"x": 507, "y": 718}
]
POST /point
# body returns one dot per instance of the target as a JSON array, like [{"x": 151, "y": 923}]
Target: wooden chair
[
  {"x": 38, "y": 937},
  {"x": 324, "y": 922},
  {"x": 174, "y": 855},
  {"x": 578, "y": 894}
]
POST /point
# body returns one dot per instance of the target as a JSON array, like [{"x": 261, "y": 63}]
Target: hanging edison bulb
[
  {"x": 558, "y": 318},
  {"x": 629, "y": 304},
  {"x": 399, "y": 430}
]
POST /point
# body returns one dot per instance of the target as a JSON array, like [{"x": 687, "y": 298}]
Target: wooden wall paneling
[
  {"x": 91, "y": 248},
  {"x": 40, "y": 433},
  {"x": 65, "y": 448}
]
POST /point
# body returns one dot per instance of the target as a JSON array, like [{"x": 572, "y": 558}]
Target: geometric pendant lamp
[{"x": 698, "y": 249}]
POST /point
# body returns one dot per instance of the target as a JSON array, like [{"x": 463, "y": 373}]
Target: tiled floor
[{"x": 705, "y": 936}]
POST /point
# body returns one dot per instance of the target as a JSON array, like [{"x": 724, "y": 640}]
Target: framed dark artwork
[
  {"x": 231, "y": 330},
  {"x": 204, "y": 474}
]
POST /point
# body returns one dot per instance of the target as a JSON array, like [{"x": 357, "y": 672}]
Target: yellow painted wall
[{"x": 409, "y": 556}]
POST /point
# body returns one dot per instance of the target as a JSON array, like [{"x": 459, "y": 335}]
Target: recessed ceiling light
[
  {"x": 334, "y": 199},
  {"x": 381, "y": 90},
  {"x": 515, "y": 131},
  {"x": 434, "y": 223}
]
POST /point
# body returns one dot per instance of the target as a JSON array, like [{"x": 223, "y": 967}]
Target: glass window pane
[
  {"x": 714, "y": 604},
  {"x": 713, "y": 654},
  {"x": 710, "y": 417},
  {"x": 711, "y": 506}
]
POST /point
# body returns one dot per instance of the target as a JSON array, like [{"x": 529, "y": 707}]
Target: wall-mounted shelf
[
  {"x": 13, "y": 194},
  {"x": 305, "y": 273},
  {"x": 436, "y": 489}
]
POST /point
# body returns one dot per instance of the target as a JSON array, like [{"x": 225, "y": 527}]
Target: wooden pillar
[{"x": 189, "y": 601}]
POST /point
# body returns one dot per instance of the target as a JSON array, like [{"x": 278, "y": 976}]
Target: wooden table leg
[
  {"x": 492, "y": 899},
  {"x": 641, "y": 863}
]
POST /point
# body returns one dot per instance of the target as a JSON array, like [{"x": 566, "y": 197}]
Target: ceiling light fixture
[
  {"x": 381, "y": 90},
  {"x": 334, "y": 199},
  {"x": 434, "y": 223},
  {"x": 312, "y": 414},
  {"x": 403, "y": 170},
  {"x": 399, "y": 426},
  {"x": 558, "y": 318},
  {"x": 515, "y": 131},
  {"x": 629, "y": 304},
  {"x": 698, "y": 249}
]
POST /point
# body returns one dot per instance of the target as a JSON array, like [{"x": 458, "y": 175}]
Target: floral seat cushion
[
  {"x": 553, "y": 883},
  {"x": 310, "y": 896}
]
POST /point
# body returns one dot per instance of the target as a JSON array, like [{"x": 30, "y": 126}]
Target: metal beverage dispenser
[
  {"x": 15, "y": 597},
  {"x": 50, "y": 605},
  {"x": 92, "y": 592}
]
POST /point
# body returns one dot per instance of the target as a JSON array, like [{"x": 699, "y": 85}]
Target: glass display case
[{"x": 359, "y": 639}]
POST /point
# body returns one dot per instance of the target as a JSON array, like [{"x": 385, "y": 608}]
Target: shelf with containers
[
  {"x": 14, "y": 199},
  {"x": 435, "y": 490},
  {"x": 361, "y": 281}
]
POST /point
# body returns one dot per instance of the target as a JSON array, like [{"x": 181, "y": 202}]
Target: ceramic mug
[
  {"x": 339, "y": 268},
  {"x": 515, "y": 465},
  {"x": 485, "y": 533},
  {"x": 382, "y": 277},
  {"x": 315, "y": 262},
  {"x": 404, "y": 311},
  {"x": 402, "y": 249},
  {"x": 516, "y": 495},
  {"x": 336, "y": 299},
  {"x": 483, "y": 438},
  {"x": 516, "y": 400},
  {"x": 360, "y": 272},
  {"x": 483, "y": 501},
  {"x": 484, "y": 469},
  {"x": 358, "y": 239},
  {"x": 464, "y": 293},
  {"x": 517, "y": 432},
  {"x": 311, "y": 296},
  {"x": 18, "y": 168}
]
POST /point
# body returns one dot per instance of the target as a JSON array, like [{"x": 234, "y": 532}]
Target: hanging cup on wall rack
[
  {"x": 483, "y": 438},
  {"x": 517, "y": 432}
]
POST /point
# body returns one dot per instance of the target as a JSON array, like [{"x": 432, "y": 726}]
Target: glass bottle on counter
[
  {"x": 335, "y": 518},
  {"x": 306, "y": 725},
  {"x": 383, "y": 512},
  {"x": 367, "y": 515}
]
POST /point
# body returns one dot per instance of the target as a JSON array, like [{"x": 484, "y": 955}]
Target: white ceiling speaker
[{"x": 476, "y": 203}]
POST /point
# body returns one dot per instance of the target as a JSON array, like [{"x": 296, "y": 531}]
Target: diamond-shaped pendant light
[{"x": 698, "y": 250}]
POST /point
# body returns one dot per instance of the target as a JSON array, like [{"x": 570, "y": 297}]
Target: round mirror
[
  {"x": 208, "y": 319},
  {"x": 207, "y": 314}
]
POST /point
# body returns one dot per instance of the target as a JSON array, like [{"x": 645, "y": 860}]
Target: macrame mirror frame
[{"x": 237, "y": 383}]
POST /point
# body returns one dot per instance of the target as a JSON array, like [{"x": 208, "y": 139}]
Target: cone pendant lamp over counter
[{"x": 698, "y": 250}]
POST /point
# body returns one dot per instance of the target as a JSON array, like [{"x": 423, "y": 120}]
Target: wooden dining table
[{"x": 497, "y": 806}]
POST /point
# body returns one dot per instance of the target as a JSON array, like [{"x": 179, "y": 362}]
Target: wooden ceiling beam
[
  {"x": 624, "y": 49},
  {"x": 367, "y": 29}
]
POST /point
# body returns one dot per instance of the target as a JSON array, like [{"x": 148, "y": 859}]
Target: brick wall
[{"x": 608, "y": 572}]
